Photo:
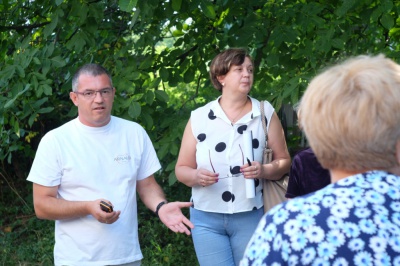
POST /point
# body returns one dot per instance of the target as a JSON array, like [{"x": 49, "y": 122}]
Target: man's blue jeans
[{"x": 221, "y": 239}]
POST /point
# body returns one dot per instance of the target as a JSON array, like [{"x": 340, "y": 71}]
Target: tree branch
[
  {"x": 25, "y": 27},
  {"x": 183, "y": 56}
]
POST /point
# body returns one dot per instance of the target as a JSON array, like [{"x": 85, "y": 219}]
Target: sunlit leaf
[
  {"x": 207, "y": 9},
  {"x": 16, "y": 129},
  {"x": 177, "y": 33}
]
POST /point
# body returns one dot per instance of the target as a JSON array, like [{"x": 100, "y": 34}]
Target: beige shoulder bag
[{"x": 273, "y": 190}]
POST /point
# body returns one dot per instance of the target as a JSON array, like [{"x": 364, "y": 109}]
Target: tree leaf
[
  {"x": 345, "y": 7},
  {"x": 11, "y": 102},
  {"x": 58, "y": 61},
  {"x": 127, "y": 5},
  {"x": 387, "y": 21},
  {"x": 16, "y": 129},
  {"x": 161, "y": 95},
  {"x": 134, "y": 110},
  {"x": 149, "y": 97},
  {"x": 47, "y": 89},
  {"x": 7, "y": 73},
  {"x": 51, "y": 26},
  {"x": 164, "y": 74},
  {"x": 177, "y": 33},
  {"x": 189, "y": 75},
  {"x": 45, "y": 110},
  {"x": 77, "y": 42},
  {"x": 176, "y": 4},
  {"x": 207, "y": 9},
  {"x": 31, "y": 119},
  {"x": 39, "y": 102}
]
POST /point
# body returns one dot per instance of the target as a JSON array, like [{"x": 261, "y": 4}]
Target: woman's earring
[{"x": 223, "y": 84}]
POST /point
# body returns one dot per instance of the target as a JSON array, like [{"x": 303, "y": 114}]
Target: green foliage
[
  {"x": 161, "y": 246},
  {"x": 24, "y": 240},
  {"x": 158, "y": 52}
]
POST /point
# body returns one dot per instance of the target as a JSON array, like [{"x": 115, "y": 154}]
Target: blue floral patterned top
[{"x": 355, "y": 221}]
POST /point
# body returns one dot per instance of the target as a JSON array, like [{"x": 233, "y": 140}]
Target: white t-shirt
[
  {"x": 88, "y": 163},
  {"x": 219, "y": 148}
]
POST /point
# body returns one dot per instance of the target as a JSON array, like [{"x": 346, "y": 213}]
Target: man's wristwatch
[{"x": 159, "y": 206}]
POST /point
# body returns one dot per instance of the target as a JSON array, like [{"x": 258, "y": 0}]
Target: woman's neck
[
  {"x": 337, "y": 174},
  {"x": 234, "y": 109}
]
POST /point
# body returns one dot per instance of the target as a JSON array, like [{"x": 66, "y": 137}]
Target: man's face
[{"x": 93, "y": 111}]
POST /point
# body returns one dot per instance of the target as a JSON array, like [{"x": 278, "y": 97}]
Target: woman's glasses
[{"x": 230, "y": 176}]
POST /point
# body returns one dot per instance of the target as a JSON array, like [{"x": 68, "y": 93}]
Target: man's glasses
[{"x": 105, "y": 93}]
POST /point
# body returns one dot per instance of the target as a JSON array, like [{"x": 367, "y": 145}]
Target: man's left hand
[{"x": 171, "y": 215}]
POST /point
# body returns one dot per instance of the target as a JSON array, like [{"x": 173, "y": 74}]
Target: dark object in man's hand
[{"x": 106, "y": 207}]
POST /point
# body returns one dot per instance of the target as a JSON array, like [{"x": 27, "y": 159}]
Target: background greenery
[{"x": 158, "y": 52}]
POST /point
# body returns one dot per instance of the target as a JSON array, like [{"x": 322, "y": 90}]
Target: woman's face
[{"x": 239, "y": 78}]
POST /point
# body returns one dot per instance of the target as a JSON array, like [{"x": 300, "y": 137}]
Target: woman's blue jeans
[{"x": 221, "y": 239}]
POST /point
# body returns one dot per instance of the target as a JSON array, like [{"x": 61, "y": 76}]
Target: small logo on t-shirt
[{"x": 125, "y": 158}]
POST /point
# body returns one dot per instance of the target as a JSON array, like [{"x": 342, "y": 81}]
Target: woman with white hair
[{"x": 350, "y": 115}]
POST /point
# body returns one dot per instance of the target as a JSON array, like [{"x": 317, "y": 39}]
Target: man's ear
[
  {"x": 398, "y": 151},
  {"x": 73, "y": 98}
]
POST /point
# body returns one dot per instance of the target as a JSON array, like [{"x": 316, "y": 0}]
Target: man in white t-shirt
[{"x": 93, "y": 158}]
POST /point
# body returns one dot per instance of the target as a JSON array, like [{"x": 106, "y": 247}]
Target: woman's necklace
[{"x": 238, "y": 115}]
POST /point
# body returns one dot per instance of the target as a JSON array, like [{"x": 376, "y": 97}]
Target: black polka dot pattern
[
  {"x": 211, "y": 115},
  {"x": 228, "y": 196},
  {"x": 220, "y": 147},
  {"x": 241, "y": 129},
  {"x": 255, "y": 143},
  {"x": 235, "y": 170},
  {"x": 201, "y": 137}
]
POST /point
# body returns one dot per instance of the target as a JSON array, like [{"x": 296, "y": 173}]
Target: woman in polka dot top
[{"x": 212, "y": 161}]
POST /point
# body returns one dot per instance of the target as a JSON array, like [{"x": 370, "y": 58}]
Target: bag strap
[{"x": 263, "y": 120}]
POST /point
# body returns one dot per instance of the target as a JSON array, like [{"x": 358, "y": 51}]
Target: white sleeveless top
[{"x": 219, "y": 149}]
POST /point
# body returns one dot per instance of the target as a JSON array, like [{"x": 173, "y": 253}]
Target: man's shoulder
[
  {"x": 125, "y": 123},
  {"x": 62, "y": 128}
]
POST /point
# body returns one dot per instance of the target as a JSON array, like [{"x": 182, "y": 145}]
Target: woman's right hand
[{"x": 206, "y": 178}]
